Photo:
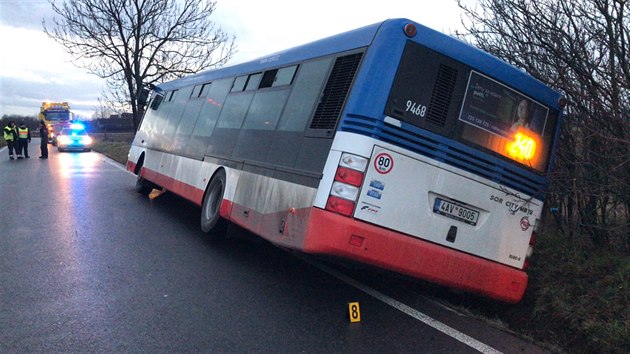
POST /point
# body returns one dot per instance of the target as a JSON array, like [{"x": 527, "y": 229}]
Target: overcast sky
[{"x": 34, "y": 68}]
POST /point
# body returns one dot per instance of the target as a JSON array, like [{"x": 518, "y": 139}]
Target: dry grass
[{"x": 113, "y": 145}]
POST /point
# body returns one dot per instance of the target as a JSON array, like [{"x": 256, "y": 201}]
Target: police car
[{"x": 74, "y": 138}]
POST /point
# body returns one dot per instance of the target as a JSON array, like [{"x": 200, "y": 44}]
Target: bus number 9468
[{"x": 416, "y": 108}]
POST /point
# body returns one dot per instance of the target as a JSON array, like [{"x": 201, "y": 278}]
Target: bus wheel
[
  {"x": 211, "y": 221},
  {"x": 142, "y": 186}
]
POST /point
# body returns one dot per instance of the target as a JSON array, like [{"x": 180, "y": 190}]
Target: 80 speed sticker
[{"x": 383, "y": 163}]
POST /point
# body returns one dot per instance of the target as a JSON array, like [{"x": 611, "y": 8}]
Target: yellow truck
[{"x": 56, "y": 115}]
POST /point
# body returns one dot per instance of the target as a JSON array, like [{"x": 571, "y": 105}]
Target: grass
[
  {"x": 582, "y": 295},
  {"x": 577, "y": 300},
  {"x": 115, "y": 150},
  {"x": 113, "y": 145}
]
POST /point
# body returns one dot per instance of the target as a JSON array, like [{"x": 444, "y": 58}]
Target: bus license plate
[{"x": 456, "y": 211}]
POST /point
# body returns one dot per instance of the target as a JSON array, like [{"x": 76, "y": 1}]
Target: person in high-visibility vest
[
  {"x": 10, "y": 136},
  {"x": 24, "y": 138}
]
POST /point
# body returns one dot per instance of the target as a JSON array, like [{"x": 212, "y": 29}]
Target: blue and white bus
[{"x": 392, "y": 144}]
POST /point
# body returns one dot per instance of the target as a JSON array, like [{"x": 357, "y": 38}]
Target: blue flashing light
[{"x": 77, "y": 126}]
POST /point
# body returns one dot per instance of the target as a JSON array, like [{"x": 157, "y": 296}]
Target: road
[{"x": 89, "y": 265}]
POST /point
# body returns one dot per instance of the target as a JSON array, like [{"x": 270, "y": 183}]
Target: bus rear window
[
  {"x": 442, "y": 95},
  {"x": 504, "y": 121}
]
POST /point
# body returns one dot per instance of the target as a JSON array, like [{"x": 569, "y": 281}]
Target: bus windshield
[{"x": 57, "y": 116}]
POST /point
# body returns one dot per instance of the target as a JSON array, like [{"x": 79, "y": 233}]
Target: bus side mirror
[{"x": 143, "y": 97}]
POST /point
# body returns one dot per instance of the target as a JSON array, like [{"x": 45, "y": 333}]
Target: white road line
[{"x": 449, "y": 331}]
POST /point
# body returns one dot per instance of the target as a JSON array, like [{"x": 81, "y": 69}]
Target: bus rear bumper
[{"x": 412, "y": 256}]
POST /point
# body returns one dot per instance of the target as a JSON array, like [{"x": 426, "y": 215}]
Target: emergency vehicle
[{"x": 56, "y": 116}]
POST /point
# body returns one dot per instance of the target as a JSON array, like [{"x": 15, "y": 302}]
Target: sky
[{"x": 34, "y": 68}]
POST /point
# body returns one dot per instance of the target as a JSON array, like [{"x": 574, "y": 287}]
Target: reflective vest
[
  {"x": 8, "y": 133},
  {"x": 23, "y": 133}
]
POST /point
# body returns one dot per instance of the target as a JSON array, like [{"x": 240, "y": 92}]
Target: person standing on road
[
  {"x": 10, "y": 136},
  {"x": 43, "y": 134},
  {"x": 24, "y": 138}
]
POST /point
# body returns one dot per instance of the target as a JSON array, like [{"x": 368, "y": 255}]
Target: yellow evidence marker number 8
[{"x": 355, "y": 312}]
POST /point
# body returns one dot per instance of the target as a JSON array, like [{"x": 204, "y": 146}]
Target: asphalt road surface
[{"x": 89, "y": 265}]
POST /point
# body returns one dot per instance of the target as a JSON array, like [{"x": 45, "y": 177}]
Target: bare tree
[
  {"x": 132, "y": 43},
  {"x": 582, "y": 48}
]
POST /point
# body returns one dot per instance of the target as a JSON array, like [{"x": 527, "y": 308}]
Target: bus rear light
[
  {"x": 410, "y": 30},
  {"x": 345, "y": 191},
  {"x": 346, "y": 175},
  {"x": 346, "y": 186},
  {"x": 340, "y": 205},
  {"x": 353, "y": 161}
]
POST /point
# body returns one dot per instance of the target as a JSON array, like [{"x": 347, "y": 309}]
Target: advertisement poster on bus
[
  {"x": 495, "y": 108},
  {"x": 505, "y": 121}
]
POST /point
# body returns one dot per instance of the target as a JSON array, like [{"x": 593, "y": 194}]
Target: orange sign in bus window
[{"x": 523, "y": 147}]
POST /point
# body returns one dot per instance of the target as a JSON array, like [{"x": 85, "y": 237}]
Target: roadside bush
[{"x": 581, "y": 295}]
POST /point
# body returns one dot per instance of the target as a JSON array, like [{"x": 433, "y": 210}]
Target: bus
[
  {"x": 391, "y": 145},
  {"x": 56, "y": 116}
]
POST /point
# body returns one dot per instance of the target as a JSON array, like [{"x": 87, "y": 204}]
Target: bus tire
[
  {"x": 211, "y": 221},
  {"x": 142, "y": 186}
]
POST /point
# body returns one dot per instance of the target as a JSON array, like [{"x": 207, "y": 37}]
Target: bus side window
[
  {"x": 234, "y": 110},
  {"x": 156, "y": 102},
  {"x": 171, "y": 95},
  {"x": 204, "y": 89},
  {"x": 175, "y": 114},
  {"x": 151, "y": 115},
  {"x": 265, "y": 110},
  {"x": 191, "y": 112},
  {"x": 278, "y": 77},
  {"x": 253, "y": 81},
  {"x": 268, "y": 78},
  {"x": 195, "y": 91},
  {"x": 285, "y": 76},
  {"x": 211, "y": 108},
  {"x": 239, "y": 84},
  {"x": 143, "y": 97},
  {"x": 147, "y": 121},
  {"x": 307, "y": 88}
]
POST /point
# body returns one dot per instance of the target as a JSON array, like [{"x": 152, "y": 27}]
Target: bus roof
[
  {"x": 357, "y": 38},
  {"x": 364, "y": 36}
]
